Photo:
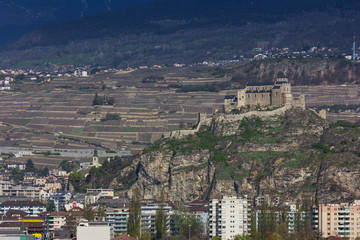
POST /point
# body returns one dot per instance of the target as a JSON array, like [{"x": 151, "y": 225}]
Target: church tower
[{"x": 95, "y": 158}]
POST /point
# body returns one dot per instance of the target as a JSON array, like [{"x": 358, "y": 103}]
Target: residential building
[
  {"x": 29, "y": 178},
  {"x": 119, "y": 218},
  {"x": 201, "y": 210},
  {"x": 32, "y": 208},
  {"x": 40, "y": 181},
  {"x": 19, "y": 190},
  {"x": 58, "y": 172},
  {"x": 73, "y": 204},
  {"x": 5, "y": 185},
  {"x": 94, "y": 231},
  {"x": 60, "y": 199},
  {"x": 56, "y": 220},
  {"x": 103, "y": 192},
  {"x": 293, "y": 215},
  {"x": 30, "y": 225},
  {"x": 148, "y": 213},
  {"x": 340, "y": 220},
  {"x": 228, "y": 217},
  {"x": 93, "y": 195},
  {"x": 20, "y": 166}
]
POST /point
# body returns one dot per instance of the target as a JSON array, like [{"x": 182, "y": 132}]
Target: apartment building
[
  {"x": 118, "y": 218},
  {"x": 228, "y": 217},
  {"x": 148, "y": 213},
  {"x": 27, "y": 191},
  {"x": 342, "y": 220},
  {"x": 293, "y": 215},
  {"x": 56, "y": 220},
  {"x": 32, "y": 208}
]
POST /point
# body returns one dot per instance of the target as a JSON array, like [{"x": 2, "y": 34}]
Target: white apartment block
[
  {"x": 148, "y": 213},
  {"x": 119, "y": 218},
  {"x": 228, "y": 217},
  {"x": 32, "y": 208}
]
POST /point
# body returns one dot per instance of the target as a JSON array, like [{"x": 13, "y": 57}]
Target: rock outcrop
[{"x": 289, "y": 155}]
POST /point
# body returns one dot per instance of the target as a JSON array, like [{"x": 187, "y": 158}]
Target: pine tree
[
  {"x": 160, "y": 219},
  {"x": 134, "y": 222}
]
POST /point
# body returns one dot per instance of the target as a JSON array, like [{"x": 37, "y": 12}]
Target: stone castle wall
[{"x": 204, "y": 121}]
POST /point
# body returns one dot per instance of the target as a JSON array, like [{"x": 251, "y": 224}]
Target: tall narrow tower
[
  {"x": 354, "y": 57},
  {"x": 95, "y": 158}
]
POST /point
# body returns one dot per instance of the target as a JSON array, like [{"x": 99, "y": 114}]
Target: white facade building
[
  {"x": 148, "y": 213},
  {"x": 32, "y": 208},
  {"x": 119, "y": 218},
  {"x": 94, "y": 231},
  {"x": 228, "y": 217}
]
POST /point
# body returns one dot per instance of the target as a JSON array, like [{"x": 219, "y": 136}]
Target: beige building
[
  {"x": 342, "y": 220},
  {"x": 94, "y": 231}
]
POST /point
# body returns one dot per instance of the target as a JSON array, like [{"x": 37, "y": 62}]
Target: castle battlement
[{"x": 275, "y": 94}]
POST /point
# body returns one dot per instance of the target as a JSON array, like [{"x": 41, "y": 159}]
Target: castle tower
[{"x": 241, "y": 98}]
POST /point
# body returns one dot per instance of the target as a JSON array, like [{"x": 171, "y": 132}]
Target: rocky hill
[{"x": 291, "y": 153}]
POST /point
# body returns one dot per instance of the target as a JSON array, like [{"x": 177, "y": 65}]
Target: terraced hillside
[
  {"x": 61, "y": 114},
  {"x": 146, "y": 104}
]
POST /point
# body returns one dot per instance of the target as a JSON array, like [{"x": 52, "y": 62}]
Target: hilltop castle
[{"x": 275, "y": 94}]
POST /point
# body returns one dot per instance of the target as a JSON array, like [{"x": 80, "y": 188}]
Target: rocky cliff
[
  {"x": 294, "y": 155},
  {"x": 303, "y": 72}
]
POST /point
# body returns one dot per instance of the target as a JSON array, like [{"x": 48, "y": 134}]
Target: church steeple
[{"x": 95, "y": 158}]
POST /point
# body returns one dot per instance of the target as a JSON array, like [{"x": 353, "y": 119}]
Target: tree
[
  {"x": 75, "y": 177},
  {"x": 160, "y": 219},
  {"x": 216, "y": 238},
  {"x": 146, "y": 234},
  {"x": 44, "y": 171},
  {"x": 253, "y": 232},
  {"x": 29, "y": 167},
  {"x": 133, "y": 224},
  {"x": 267, "y": 220},
  {"x": 88, "y": 212},
  {"x": 282, "y": 230},
  {"x": 98, "y": 100},
  {"x": 101, "y": 213},
  {"x": 193, "y": 224},
  {"x": 50, "y": 206},
  {"x": 67, "y": 166},
  {"x": 243, "y": 237}
]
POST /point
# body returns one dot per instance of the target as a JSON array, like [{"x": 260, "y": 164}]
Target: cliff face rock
[
  {"x": 304, "y": 72},
  {"x": 289, "y": 155}
]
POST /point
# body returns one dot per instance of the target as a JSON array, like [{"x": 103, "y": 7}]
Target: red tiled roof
[
  {"x": 61, "y": 213},
  {"x": 22, "y": 203}
]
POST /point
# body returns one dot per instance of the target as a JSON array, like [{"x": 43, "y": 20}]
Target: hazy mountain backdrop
[
  {"x": 168, "y": 31},
  {"x": 19, "y": 16}
]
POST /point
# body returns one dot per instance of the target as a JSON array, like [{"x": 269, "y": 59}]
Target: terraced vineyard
[{"x": 60, "y": 114}]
